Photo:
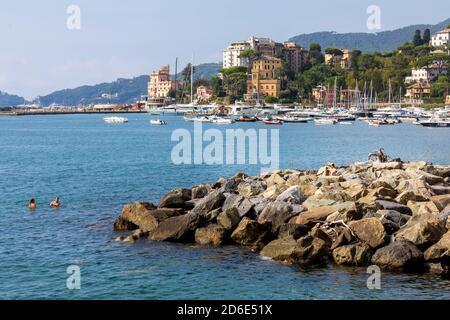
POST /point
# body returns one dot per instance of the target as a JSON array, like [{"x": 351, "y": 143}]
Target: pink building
[{"x": 204, "y": 93}]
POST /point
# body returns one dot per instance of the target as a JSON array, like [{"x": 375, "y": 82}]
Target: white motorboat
[
  {"x": 222, "y": 120},
  {"x": 325, "y": 121},
  {"x": 158, "y": 122},
  {"x": 115, "y": 120},
  {"x": 291, "y": 119},
  {"x": 202, "y": 119},
  {"x": 345, "y": 122}
]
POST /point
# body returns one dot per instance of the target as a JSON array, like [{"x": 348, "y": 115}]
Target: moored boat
[
  {"x": 158, "y": 122},
  {"x": 272, "y": 122},
  {"x": 115, "y": 120},
  {"x": 325, "y": 121}
]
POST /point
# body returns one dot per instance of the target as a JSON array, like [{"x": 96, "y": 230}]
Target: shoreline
[
  {"x": 395, "y": 215},
  {"x": 47, "y": 113}
]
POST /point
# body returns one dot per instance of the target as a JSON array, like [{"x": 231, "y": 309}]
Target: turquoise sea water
[{"x": 96, "y": 168}]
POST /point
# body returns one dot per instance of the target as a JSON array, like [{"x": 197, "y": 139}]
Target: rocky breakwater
[{"x": 391, "y": 214}]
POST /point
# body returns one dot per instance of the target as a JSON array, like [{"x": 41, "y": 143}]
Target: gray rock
[
  {"x": 357, "y": 254},
  {"x": 210, "y": 202},
  {"x": 251, "y": 233},
  {"x": 399, "y": 255},
  {"x": 277, "y": 213},
  {"x": 229, "y": 218},
  {"x": 292, "y": 230},
  {"x": 293, "y": 195},
  {"x": 179, "y": 228},
  {"x": 390, "y": 205},
  {"x": 176, "y": 199}
]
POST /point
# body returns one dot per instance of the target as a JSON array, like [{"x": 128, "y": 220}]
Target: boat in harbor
[
  {"x": 291, "y": 119},
  {"x": 345, "y": 122},
  {"x": 220, "y": 120},
  {"x": 436, "y": 123},
  {"x": 158, "y": 122},
  {"x": 246, "y": 119},
  {"x": 115, "y": 120},
  {"x": 272, "y": 122},
  {"x": 325, "y": 121}
]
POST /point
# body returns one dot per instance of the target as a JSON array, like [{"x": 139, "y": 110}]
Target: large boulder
[
  {"x": 277, "y": 213},
  {"x": 292, "y": 195},
  {"x": 425, "y": 176},
  {"x": 212, "y": 234},
  {"x": 305, "y": 251},
  {"x": 315, "y": 214},
  {"x": 210, "y": 202},
  {"x": 177, "y": 198},
  {"x": 357, "y": 254},
  {"x": 229, "y": 218},
  {"x": 392, "y": 220},
  {"x": 390, "y": 205},
  {"x": 144, "y": 216},
  {"x": 423, "y": 230},
  {"x": 292, "y": 230},
  {"x": 441, "y": 201},
  {"x": 399, "y": 255},
  {"x": 312, "y": 202},
  {"x": 440, "y": 250},
  {"x": 370, "y": 231},
  {"x": 419, "y": 208},
  {"x": 250, "y": 188},
  {"x": 413, "y": 189},
  {"x": 200, "y": 191},
  {"x": 275, "y": 179},
  {"x": 179, "y": 228},
  {"x": 251, "y": 233},
  {"x": 341, "y": 236},
  {"x": 242, "y": 204}
]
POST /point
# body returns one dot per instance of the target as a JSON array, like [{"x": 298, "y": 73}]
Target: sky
[{"x": 120, "y": 39}]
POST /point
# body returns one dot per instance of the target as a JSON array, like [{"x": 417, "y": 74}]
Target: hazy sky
[{"x": 39, "y": 54}]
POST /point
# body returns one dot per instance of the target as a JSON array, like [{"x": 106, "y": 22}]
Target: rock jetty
[{"x": 391, "y": 214}]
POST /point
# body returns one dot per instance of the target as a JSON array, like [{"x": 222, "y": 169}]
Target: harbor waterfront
[{"x": 97, "y": 167}]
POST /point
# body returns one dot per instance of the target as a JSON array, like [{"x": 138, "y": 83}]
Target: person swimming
[
  {"x": 55, "y": 203},
  {"x": 32, "y": 204}
]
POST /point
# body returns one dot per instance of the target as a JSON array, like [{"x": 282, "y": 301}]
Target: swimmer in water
[
  {"x": 55, "y": 203},
  {"x": 32, "y": 204}
]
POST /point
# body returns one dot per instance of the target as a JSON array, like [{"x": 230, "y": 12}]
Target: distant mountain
[
  {"x": 119, "y": 91},
  {"x": 10, "y": 100},
  {"x": 366, "y": 42}
]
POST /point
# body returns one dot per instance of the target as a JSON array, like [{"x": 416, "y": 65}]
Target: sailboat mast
[
  {"x": 176, "y": 82},
  {"x": 192, "y": 79}
]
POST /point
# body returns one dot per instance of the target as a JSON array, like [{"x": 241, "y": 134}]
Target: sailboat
[{"x": 188, "y": 107}]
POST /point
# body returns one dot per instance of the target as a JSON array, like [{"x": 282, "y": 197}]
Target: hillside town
[{"x": 261, "y": 70}]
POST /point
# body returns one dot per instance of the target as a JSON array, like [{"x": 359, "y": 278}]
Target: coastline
[{"x": 394, "y": 215}]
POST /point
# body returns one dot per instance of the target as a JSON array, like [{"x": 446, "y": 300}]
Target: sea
[{"x": 96, "y": 168}]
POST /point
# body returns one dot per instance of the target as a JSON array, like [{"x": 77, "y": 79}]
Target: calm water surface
[{"x": 96, "y": 168}]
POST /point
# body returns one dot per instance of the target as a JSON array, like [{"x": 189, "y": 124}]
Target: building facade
[
  {"x": 425, "y": 74},
  {"x": 232, "y": 54},
  {"x": 204, "y": 93},
  {"x": 344, "y": 59},
  {"x": 418, "y": 90},
  {"x": 441, "y": 38},
  {"x": 294, "y": 55},
  {"x": 160, "y": 84},
  {"x": 264, "y": 80}
]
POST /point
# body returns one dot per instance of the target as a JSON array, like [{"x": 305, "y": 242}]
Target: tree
[
  {"x": 426, "y": 36},
  {"x": 417, "y": 40},
  {"x": 270, "y": 99},
  {"x": 217, "y": 87},
  {"x": 234, "y": 80},
  {"x": 251, "y": 55},
  {"x": 315, "y": 54},
  {"x": 334, "y": 51},
  {"x": 354, "y": 60}
]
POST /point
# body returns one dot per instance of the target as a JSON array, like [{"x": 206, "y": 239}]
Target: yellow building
[
  {"x": 447, "y": 100},
  {"x": 264, "y": 80}
]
